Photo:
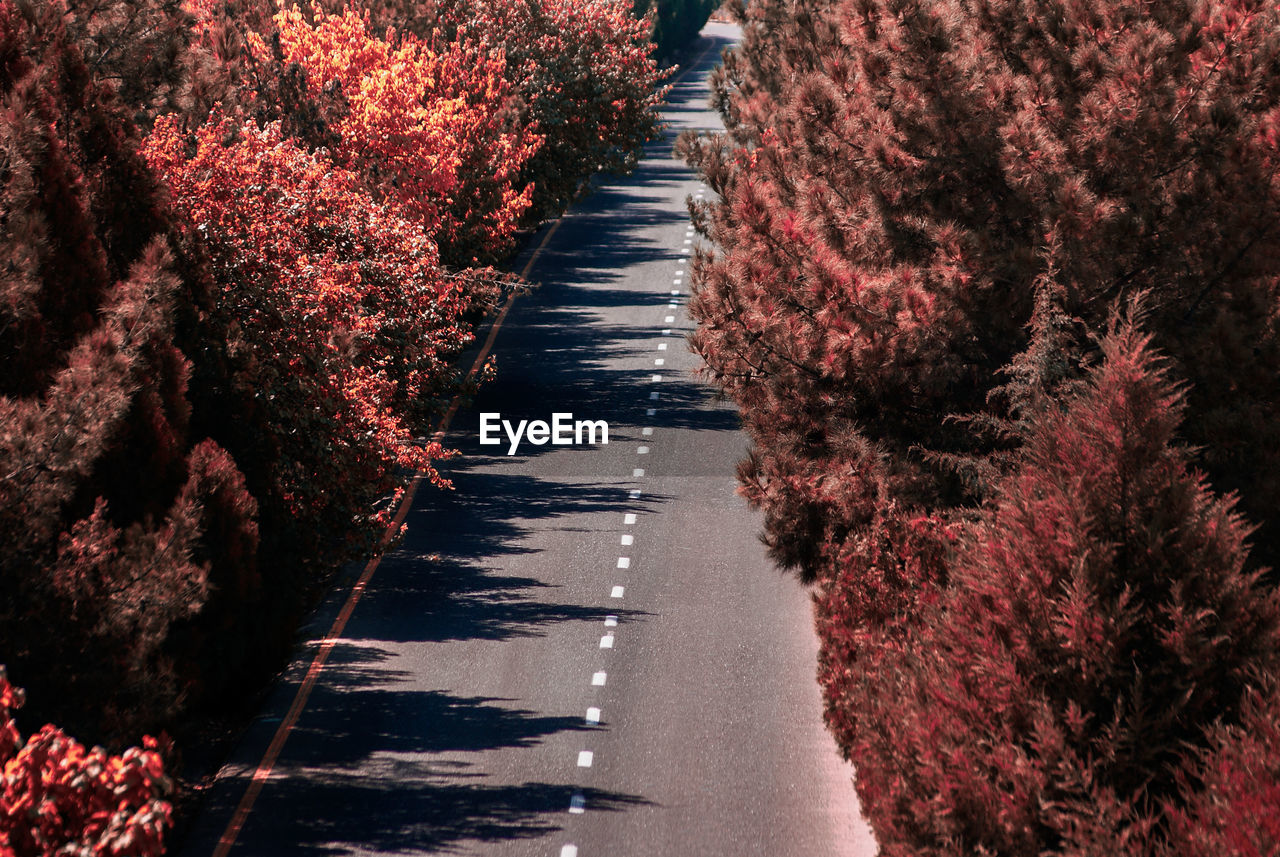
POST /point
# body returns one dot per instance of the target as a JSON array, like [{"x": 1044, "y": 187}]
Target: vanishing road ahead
[{"x": 581, "y": 650}]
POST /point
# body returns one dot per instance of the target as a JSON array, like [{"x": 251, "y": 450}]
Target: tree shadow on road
[{"x": 419, "y": 809}]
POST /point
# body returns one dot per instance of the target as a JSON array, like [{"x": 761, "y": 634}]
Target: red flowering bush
[
  {"x": 342, "y": 323},
  {"x": 434, "y": 131},
  {"x": 583, "y": 72},
  {"x": 61, "y": 798}
]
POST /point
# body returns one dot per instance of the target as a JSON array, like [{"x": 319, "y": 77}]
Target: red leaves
[
  {"x": 586, "y": 79},
  {"x": 430, "y": 130},
  {"x": 344, "y": 321},
  {"x": 60, "y": 797},
  {"x": 927, "y": 212}
]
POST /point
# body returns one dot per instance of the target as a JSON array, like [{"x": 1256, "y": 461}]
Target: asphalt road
[{"x": 582, "y": 650}]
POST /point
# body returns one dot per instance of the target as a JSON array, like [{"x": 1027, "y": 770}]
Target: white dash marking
[
  {"x": 606, "y": 642},
  {"x": 666, "y": 331},
  {"x": 650, "y": 411},
  {"x": 669, "y": 319},
  {"x": 642, "y": 450},
  {"x": 624, "y": 562},
  {"x": 584, "y": 758},
  {"x": 598, "y": 679},
  {"x": 610, "y": 621},
  {"x": 629, "y": 518},
  {"x": 688, "y": 240},
  {"x": 662, "y": 346},
  {"x": 680, "y": 272},
  {"x": 569, "y": 851},
  {"x": 577, "y": 805},
  {"x": 675, "y": 291},
  {"x": 653, "y": 397},
  {"x": 646, "y": 431},
  {"x": 656, "y": 379},
  {"x": 672, "y": 305},
  {"x": 634, "y": 493},
  {"x": 593, "y": 715},
  {"x": 628, "y": 539},
  {"x": 617, "y": 592},
  {"x": 637, "y": 473}
]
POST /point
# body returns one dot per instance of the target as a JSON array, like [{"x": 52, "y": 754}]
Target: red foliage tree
[
  {"x": 340, "y": 327},
  {"x": 901, "y": 179},
  {"x": 584, "y": 74},
  {"x": 107, "y": 501},
  {"x": 434, "y": 131},
  {"x": 1232, "y": 793},
  {"x": 1099, "y": 622},
  {"x": 59, "y": 797}
]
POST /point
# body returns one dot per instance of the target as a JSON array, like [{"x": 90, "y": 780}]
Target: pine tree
[
  {"x": 106, "y": 497},
  {"x": 900, "y": 179},
  {"x": 1099, "y": 622}
]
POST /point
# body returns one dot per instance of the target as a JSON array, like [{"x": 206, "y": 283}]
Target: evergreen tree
[
  {"x": 902, "y": 179},
  {"x": 108, "y": 503},
  {"x": 1099, "y": 623}
]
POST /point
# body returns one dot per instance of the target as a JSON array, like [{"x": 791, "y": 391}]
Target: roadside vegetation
[
  {"x": 243, "y": 245},
  {"x": 994, "y": 284}
]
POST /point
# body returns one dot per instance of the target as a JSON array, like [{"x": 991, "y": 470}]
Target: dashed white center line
[
  {"x": 657, "y": 379},
  {"x": 628, "y": 539},
  {"x": 629, "y": 518},
  {"x": 634, "y": 493},
  {"x": 606, "y": 642},
  {"x": 611, "y": 621},
  {"x": 569, "y": 851},
  {"x": 584, "y": 759},
  {"x": 593, "y": 715},
  {"x": 642, "y": 450},
  {"x": 617, "y": 592},
  {"x": 669, "y": 319},
  {"x": 637, "y": 473},
  {"x": 577, "y": 805},
  {"x": 653, "y": 397},
  {"x": 659, "y": 362},
  {"x": 598, "y": 679},
  {"x": 624, "y": 562},
  {"x": 666, "y": 331},
  {"x": 662, "y": 346},
  {"x": 646, "y": 431},
  {"x": 675, "y": 291}
]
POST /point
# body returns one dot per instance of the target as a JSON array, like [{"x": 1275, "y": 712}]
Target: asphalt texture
[{"x": 550, "y": 663}]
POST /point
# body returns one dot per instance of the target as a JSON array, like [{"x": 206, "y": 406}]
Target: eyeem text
[{"x": 563, "y": 430}]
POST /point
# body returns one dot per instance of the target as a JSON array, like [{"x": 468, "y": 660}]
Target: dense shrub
[
  {"x": 433, "y": 130},
  {"x": 583, "y": 71},
  {"x": 58, "y": 797},
  {"x": 340, "y": 327}
]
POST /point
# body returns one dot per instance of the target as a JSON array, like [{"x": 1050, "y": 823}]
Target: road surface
[{"x": 582, "y": 650}]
